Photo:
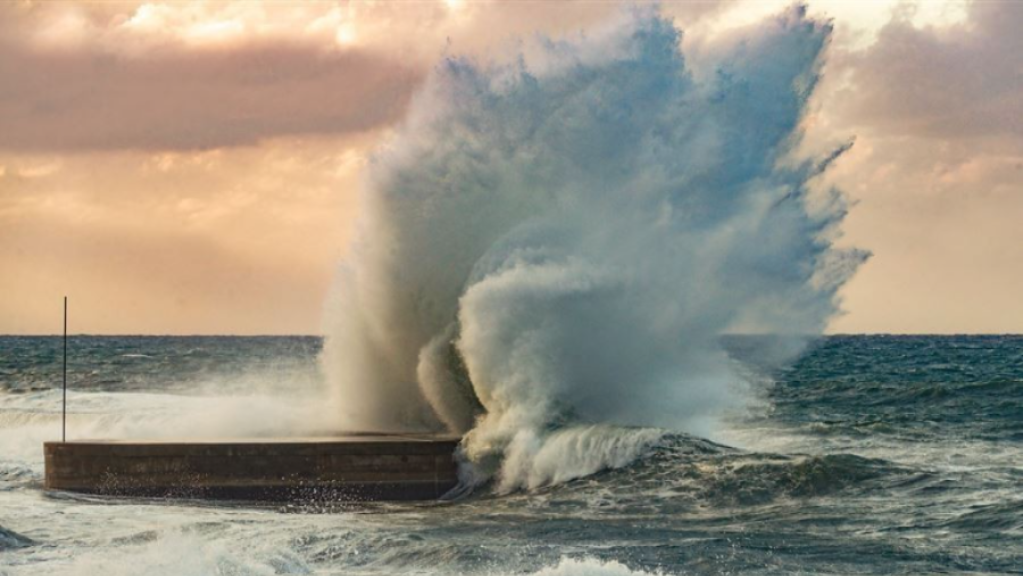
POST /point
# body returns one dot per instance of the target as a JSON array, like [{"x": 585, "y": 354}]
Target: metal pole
[{"x": 64, "y": 401}]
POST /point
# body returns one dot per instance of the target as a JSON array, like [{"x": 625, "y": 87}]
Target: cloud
[
  {"x": 960, "y": 81},
  {"x": 182, "y": 76},
  {"x": 191, "y": 98},
  {"x": 935, "y": 171}
]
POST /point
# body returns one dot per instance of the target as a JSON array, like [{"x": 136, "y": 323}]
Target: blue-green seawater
[{"x": 867, "y": 455}]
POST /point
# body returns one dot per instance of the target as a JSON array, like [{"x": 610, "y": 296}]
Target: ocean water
[{"x": 865, "y": 455}]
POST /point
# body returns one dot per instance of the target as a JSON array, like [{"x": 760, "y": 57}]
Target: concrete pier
[{"x": 353, "y": 467}]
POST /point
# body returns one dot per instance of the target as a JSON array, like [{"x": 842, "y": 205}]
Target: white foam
[
  {"x": 592, "y": 567},
  {"x": 181, "y": 553}
]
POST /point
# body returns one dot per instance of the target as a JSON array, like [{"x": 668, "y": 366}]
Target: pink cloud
[
  {"x": 950, "y": 82},
  {"x": 190, "y": 98}
]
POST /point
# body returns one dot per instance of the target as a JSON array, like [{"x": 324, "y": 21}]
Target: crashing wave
[{"x": 560, "y": 242}]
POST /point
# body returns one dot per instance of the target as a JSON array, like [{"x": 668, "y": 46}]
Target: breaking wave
[{"x": 550, "y": 250}]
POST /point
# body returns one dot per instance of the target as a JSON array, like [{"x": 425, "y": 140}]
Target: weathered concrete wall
[{"x": 378, "y": 467}]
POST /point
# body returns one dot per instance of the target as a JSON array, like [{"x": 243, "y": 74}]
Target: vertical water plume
[{"x": 554, "y": 247}]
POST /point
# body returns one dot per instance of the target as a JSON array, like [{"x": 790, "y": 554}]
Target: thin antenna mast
[{"x": 64, "y": 401}]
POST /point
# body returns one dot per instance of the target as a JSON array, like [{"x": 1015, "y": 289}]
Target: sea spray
[{"x": 561, "y": 242}]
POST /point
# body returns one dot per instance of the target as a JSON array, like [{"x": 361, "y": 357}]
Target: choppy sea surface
[{"x": 868, "y": 455}]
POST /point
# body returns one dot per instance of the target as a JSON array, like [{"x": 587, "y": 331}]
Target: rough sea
[{"x": 867, "y": 455}]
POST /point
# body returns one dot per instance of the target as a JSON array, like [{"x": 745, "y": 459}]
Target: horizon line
[{"x": 315, "y": 335}]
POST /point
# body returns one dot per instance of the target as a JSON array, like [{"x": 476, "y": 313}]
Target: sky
[{"x": 193, "y": 167}]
